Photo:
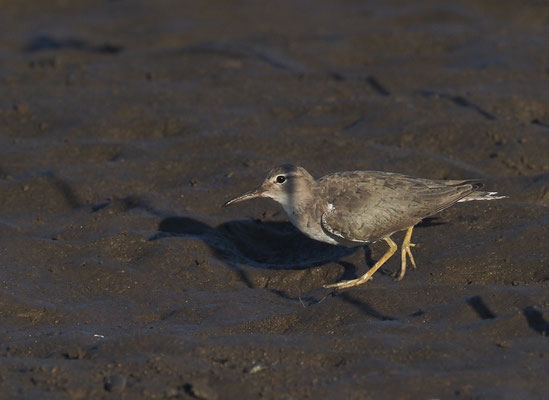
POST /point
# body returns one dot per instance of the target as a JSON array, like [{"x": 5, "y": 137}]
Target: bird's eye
[{"x": 280, "y": 179}]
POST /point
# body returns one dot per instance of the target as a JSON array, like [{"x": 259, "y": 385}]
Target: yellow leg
[
  {"x": 405, "y": 250},
  {"x": 368, "y": 275}
]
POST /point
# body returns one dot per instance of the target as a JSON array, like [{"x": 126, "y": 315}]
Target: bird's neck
[{"x": 298, "y": 202}]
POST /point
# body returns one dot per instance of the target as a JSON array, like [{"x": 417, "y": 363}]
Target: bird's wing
[
  {"x": 378, "y": 207},
  {"x": 435, "y": 196},
  {"x": 356, "y": 216}
]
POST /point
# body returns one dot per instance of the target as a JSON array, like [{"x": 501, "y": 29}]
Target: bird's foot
[
  {"x": 348, "y": 284},
  {"x": 409, "y": 252},
  {"x": 368, "y": 275},
  {"x": 406, "y": 252}
]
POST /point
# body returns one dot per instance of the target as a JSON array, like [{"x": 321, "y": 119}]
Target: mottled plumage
[
  {"x": 374, "y": 204},
  {"x": 358, "y": 207}
]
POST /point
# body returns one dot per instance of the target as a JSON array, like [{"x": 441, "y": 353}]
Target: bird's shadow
[
  {"x": 261, "y": 244},
  {"x": 430, "y": 221},
  {"x": 267, "y": 244}
]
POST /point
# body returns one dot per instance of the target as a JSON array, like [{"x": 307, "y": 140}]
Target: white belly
[
  {"x": 312, "y": 229},
  {"x": 318, "y": 235}
]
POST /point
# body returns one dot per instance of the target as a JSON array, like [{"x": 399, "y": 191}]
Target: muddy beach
[{"x": 124, "y": 126}]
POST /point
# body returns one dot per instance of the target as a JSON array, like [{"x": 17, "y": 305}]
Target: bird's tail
[{"x": 482, "y": 196}]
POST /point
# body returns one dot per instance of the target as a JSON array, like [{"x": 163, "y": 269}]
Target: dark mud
[{"x": 125, "y": 125}]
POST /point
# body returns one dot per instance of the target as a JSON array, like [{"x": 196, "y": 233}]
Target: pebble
[
  {"x": 504, "y": 344},
  {"x": 75, "y": 353},
  {"x": 201, "y": 390},
  {"x": 21, "y": 108},
  {"x": 255, "y": 369},
  {"x": 114, "y": 383}
]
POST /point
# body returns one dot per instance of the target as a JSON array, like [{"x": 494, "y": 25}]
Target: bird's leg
[
  {"x": 368, "y": 275},
  {"x": 405, "y": 250}
]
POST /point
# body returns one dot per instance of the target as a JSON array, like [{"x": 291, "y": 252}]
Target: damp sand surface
[{"x": 125, "y": 126}]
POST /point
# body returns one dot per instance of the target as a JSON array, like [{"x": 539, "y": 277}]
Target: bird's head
[{"x": 286, "y": 184}]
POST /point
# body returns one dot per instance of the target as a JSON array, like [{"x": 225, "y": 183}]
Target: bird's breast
[{"x": 308, "y": 221}]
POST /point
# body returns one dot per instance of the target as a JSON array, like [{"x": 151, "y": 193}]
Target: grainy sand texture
[{"x": 124, "y": 125}]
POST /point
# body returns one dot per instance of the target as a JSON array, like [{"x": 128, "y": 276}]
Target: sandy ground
[{"x": 125, "y": 125}]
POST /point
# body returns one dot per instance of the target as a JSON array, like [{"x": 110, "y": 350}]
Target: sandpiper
[{"x": 359, "y": 207}]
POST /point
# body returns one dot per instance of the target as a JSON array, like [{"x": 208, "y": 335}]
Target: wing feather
[{"x": 376, "y": 206}]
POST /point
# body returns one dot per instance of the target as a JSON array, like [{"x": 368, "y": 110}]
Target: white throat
[{"x": 308, "y": 226}]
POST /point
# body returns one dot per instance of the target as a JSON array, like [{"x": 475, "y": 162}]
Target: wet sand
[{"x": 126, "y": 125}]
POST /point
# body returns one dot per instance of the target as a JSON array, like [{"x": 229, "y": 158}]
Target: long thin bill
[{"x": 246, "y": 196}]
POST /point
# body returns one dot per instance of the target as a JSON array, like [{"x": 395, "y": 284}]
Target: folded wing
[{"x": 376, "y": 206}]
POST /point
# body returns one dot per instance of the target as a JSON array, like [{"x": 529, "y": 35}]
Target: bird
[{"x": 355, "y": 208}]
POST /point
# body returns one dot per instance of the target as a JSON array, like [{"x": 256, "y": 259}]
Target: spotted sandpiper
[{"x": 359, "y": 207}]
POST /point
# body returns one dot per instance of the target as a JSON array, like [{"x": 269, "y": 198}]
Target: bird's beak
[{"x": 246, "y": 196}]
